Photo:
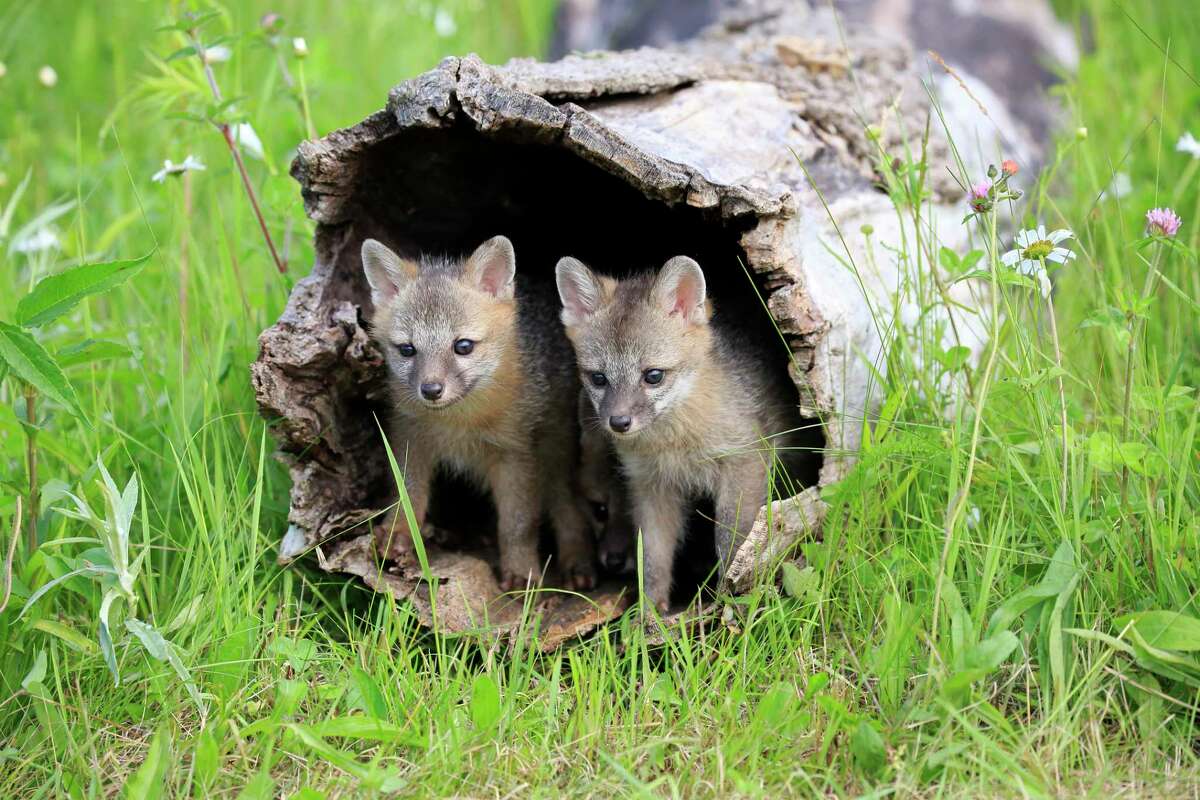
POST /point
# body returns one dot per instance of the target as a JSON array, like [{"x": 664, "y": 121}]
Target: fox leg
[
  {"x": 741, "y": 492},
  {"x": 514, "y": 485},
  {"x": 393, "y": 538},
  {"x": 658, "y": 515}
]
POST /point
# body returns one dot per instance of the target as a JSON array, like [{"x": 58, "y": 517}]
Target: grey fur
[
  {"x": 506, "y": 417},
  {"x": 710, "y": 427}
]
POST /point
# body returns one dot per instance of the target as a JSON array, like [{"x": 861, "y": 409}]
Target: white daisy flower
[
  {"x": 1188, "y": 144},
  {"x": 1035, "y": 247},
  {"x": 47, "y": 76},
  {"x": 299, "y": 47},
  {"x": 189, "y": 164}
]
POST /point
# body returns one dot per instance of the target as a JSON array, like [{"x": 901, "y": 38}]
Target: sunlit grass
[{"x": 845, "y": 687}]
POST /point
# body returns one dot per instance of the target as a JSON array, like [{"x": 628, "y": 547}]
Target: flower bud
[
  {"x": 47, "y": 76},
  {"x": 300, "y": 47}
]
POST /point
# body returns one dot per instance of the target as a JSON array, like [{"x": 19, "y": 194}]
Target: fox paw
[
  {"x": 514, "y": 582},
  {"x": 394, "y": 545},
  {"x": 581, "y": 578}
]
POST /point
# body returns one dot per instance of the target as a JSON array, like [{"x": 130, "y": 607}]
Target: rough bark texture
[{"x": 623, "y": 159}]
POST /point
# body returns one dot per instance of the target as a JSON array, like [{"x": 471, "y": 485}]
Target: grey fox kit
[
  {"x": 688, "y": 407},
  {"x": 482, "y": 381},
  {"x": 607, "y": 496}
]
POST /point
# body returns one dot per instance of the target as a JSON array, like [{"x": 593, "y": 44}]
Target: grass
[{"x": 984, "y": 652}]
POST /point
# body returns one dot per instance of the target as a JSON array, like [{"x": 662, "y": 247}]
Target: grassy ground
[{"x": 960, "y": 632}]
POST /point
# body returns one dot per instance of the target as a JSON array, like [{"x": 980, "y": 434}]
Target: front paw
[
  {"x": 393, "y": 543},
  {"x": 516, "y": 581},
  {"x": 581, "y": 577}
]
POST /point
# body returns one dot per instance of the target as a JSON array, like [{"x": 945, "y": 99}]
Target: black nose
[
  {"x": 620, "y": 424},
  {"x": 431, "y": 391},
  {"x": 612, "y": 560}
]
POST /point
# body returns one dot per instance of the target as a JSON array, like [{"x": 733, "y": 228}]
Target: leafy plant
[
  {"x": 40, "y": 373},
  {"x": 113, "y": 566}
]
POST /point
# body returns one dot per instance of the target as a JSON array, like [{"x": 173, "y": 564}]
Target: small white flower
[
  {"x": 300, "y": 47},
  {"x": 444, "y": 24},
  {"x": 189, "y": 164},
  {"x": 1118, "y": 187},
  {"x": 1188, "y": 144},
  {"x": 37, "y": 241},
  {"x": 1033, "y": 249},
  {"x": 3, "y": 69},
  {"x": 973, "y": 517},
  {"x": 217, "y": 54},
  {"x": 244, "y": 135},
  {"x": 47, "y": 76}
]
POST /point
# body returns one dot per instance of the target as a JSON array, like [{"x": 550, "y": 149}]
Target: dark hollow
[{"x": 447, "y": 190}]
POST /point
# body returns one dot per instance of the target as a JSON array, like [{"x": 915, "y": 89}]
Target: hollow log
[{"x": 754, "y": 148}]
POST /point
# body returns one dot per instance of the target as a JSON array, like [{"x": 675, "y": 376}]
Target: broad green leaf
[
  {"x": 56, "y": 294},
  {"x": 91, "y": 351},
  {"x": 1165, "y": 630},
  {"x": 485, "y": 702},
  {"x": 773, "y": 707},
  {"x": 370, "y": 697},
  {"x": 30, "y": 362},
  {"x": 37, "y": 672},
  {"x": 991, "y": 652},
  {"x": 1058, "y": 578},
  {"x": 868, "y": 749},
  {"x": 206, "y": 758},
  {"x": 260, "y": 787},
  {"x": 298, "y": 652},
  {"x": 162, "y": 650},
  {"x": 799, "y": 583},
  {"x": 72, "y": 637},
  {"x": 147, "y": 782}
]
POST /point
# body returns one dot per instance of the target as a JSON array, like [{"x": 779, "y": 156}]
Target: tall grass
[{"x": 885, "y": 668}]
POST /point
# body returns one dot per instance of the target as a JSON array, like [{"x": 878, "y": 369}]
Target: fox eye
[
  {"x": 598, "y": 379},
  {"x": 652, "y": 376},
  {"x": 464, "y": 347},
  {"x": 406, "y": 350},
  {"x": 599, "y": 511}
]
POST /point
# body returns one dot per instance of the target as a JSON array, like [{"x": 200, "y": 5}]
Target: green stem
[
  {"x": 960, "y": 500},
  {"x": 31, "y": 464},
  {"x": 1062, "y": 403}
]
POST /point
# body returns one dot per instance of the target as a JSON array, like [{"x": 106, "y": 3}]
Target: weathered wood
[{"x": 710, "y": 147}]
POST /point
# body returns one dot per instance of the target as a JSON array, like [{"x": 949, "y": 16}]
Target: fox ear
[
  {"x": 492, "y": 267},
  {"x": 680, "y": 289},
  {"x": 385, "y": 271},
  {"x": 579, "y": 289}
]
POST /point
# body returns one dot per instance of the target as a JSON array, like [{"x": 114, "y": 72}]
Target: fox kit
[
  {"x": 604, "y": 490},
  {"x": 688, "y": 407},
  {"x": 483, "y": 384}
]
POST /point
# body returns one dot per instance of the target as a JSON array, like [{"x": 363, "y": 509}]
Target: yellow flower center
[{"x": 1038, "y": 250}]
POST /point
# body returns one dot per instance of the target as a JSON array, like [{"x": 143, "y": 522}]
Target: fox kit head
[
  {"x": 640, "y": 343},
  {"x": 443, "y": 325}
]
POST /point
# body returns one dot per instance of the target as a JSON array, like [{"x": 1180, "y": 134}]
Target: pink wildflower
[
  {"x": 1009, "y": 167},
  {"x": 978, "y": 196},
  {"x": 1162, "y": 222}
]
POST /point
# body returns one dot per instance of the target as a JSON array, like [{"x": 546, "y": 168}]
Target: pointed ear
[
  {"x": 679, "y": 289},
  {"x": 386, "y": 272},
  {"x": 492, "y": 267},
  {"x": 579, "y": 289}
]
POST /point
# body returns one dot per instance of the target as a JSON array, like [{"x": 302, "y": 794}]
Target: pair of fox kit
[{"x": 485, "y": 384}]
